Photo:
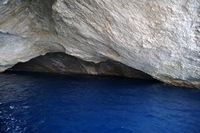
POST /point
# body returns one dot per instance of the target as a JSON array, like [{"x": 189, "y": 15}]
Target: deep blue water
[{"x": 40, "y": 103}]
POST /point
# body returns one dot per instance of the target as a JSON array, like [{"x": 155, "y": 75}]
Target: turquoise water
[{"x": 41, "y": 103}]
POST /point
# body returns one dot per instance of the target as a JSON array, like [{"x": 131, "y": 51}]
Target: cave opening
[{"x": 61, "y": 63}]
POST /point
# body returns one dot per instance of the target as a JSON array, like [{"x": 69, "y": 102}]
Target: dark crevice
[{"x": 65, "y": 64}]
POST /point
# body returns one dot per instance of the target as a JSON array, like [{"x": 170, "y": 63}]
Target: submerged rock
[{"x": 160, "y": 38}]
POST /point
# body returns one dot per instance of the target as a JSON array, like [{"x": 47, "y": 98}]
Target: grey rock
[
  {"x": 160, "y": 38},
  {"x": 66, "y": 64}
]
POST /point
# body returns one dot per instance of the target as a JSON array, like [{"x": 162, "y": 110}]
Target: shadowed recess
[{"x": 66, "y": 64}]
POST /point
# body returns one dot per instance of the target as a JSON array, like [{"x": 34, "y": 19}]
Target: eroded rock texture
[
  {"x": 65, "y": 64},
  {"x": 158, "y": 37}
]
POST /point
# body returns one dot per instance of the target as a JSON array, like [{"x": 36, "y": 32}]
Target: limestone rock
[
  {"x": 65, "y": 64},
  {"x": 160, "y": 38}
]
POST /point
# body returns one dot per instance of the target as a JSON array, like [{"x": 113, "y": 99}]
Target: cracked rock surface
[{"x": 157, "y": 37}]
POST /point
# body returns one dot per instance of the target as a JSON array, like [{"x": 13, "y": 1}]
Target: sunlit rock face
[{"x": 160, "y": 38}]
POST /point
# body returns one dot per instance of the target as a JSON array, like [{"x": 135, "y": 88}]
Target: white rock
[{"x": 160, "y": 38}]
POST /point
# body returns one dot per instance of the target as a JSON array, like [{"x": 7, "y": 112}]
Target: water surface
[{"x": 41, "y": 103}]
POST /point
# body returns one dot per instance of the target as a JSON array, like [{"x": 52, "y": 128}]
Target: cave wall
[
  {"x": 160, "y": 38},
  {"x": 65, "y": 64}
]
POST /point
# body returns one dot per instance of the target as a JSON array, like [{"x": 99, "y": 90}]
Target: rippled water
[{"x": 36, "y": 103}]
